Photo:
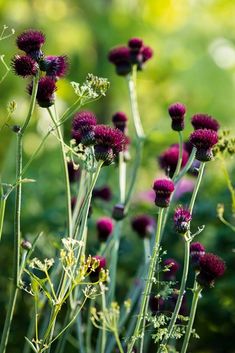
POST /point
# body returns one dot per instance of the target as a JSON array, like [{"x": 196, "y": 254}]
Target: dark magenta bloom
[
  {"x": 197, "y": 250},
  {"x": 84, "y": 127},
  {"x": 147, "y": 53},
  {"x": 118, "y": 212},
  {"x": 204, "y": 140},
  {"x": 45, "y": 93},
  {"x": 163, "y": 189},
  {"x": 135, "y": 43},
  {"x": 31, "y": 41},
  {"x": 173, "y": 267},
  {"x": 24, "y": 65},
  {"x": 104, "y": 193},
  {"x": 204, "y": 121},
  {"x": 182, "y": 219},
  {"x": 121, "y": 58},
  {"x": 177, "y": 112},
  {"x": 102, "y": 261},
  {"x": 211, "y": 267},
  {"x": 143, "y": 225},
  {"x": 55, "y": 66},
  {"x": 104, "y": 228},
  {"x": 168, "y": 159},
  {"x": 120, "y": 121},
  {"x": 108, "y": 143}
]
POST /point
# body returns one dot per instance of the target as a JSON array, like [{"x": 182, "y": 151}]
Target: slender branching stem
[
  {"x": 149, "y": 282},
  {"x": 104, "y": 336},
  {"x": 180, "y": 157},
  {"x": 196, "y": 188},
  {"x": 196, "y": 295},
  {"x": 118, "y": 342}
]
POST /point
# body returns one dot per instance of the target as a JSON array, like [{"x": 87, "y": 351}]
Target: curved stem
[
  {"x": 187, "y": 166},
  {"x": 196, "y": 295},
  {"x": 66, "y": 174},
  {"x": 118, "y": 342},
  {"x": 196, "y": 188},
  {"x": 32, "y": 103},
  {"x": 149, "y": 282}
]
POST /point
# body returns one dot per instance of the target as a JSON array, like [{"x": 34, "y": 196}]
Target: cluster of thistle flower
[{"x": 33, "y": 62}]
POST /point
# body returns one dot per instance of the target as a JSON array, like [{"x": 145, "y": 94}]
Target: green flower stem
[
  {"x": 104, "y": 336},
  {"x": 179, "y": 162},
  {"x": 66, "y": 174},
  {"x": 122, "y": 177},
  {"x": 2, "y": 213},
  {"x": 131, "y": 80},
  {"x": 17, "y": 222},
  {"x": 118, "y": 342},
  {"x": 196, "y": 188},
  {"x": 180, "y": 295},
  {"x": 149, "y": 282},
  {"x": 196, "y": 295},
  {"x": 187, "y": 166}
]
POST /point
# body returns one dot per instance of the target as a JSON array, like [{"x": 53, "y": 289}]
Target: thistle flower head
[
  {"x": 108, "y": 143},
  {"x": 197, "y": 250},
  {"x": 172, "y": 266},
  {"x": 204, "y": 140},
  {"x": 120, "y": 121},
  {"x": 204, "y": 121},
  {"x": 168, "y": 159},
  {"x": 118, "y": 212},
  {"x": 45, "y": 94},
  {"x": 135, "y": 43},
  {"x": 102, "y": 262},
  {"x": 104, "y": 193},
  {"x": 143, "y": 225},
  {"x": 163, "y": 189},
  {"x": 147, "y": 53},
  {"x": 182, "y": 218},
  {"x": 55, "y": 66},
  {"x": 24, "y": 65},
  {"x": 121, "y": 58},
  {"x": 104, "y": 228},
  {"x": 177, "y": 112},
  {"x": 211, "y": 267},
  {"x": 83, "y": 126},
  {"x": 30, "y": 41}
]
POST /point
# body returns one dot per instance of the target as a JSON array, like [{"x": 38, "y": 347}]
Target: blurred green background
[{"x": 194, "y": 62}]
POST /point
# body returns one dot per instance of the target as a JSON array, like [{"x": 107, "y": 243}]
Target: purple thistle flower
[
  {"x": 211, "y": 267},
  {"x": 204, "y": 121},
  {"x": 135, "y": 43},
  {"x": 163, "y": 189},
  {"x": 182, "y": 219},
  {"x": 108, "y": 143},
  {"x": 104, "y": 193},
  {"x": 30, "y": 41},
  {"x": 197, "y": 250},
  {"x": 55, "y": 66},
  {"x": 24, "y": 65},
  {"x": 84, "y": 127},
  {"x": 45, "y": 94},
  {"x": 76, "y": 135},
  {"x": 121, "y": 58},
  {"x": 204, "y": 140},
  {"x": 94, "y": 275},
  {"x": 104, "y": 228},
  {"x": 118, "y": 212},
  {"x": 120, "y": 121},
  {"x": 147, "y": 53},
  {"x": 143, "y": 225},
  {"x": 168, "y": 159},
  {"x": 173, "y": 267},
  {"x": 177, "y": 112}
]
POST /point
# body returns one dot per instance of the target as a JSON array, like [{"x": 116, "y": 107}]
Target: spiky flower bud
[
  {"x": 121, "y": 58},
  {"x": 84, "y": 127},
  {"x": 24, "y": 65},
  {"x": 143, "y": 225},
  {"x": 182, "y": 218},
  {"x": 55, "y": 66},
  {"x": 177, "y": 112},
  {"x": 204, "y": 140},
  {"x": 204, "y": 121},
  {"x": 197, "y": 250},
  {"x": 118, "y": 212},
  {"x": 45, "y": 94},
  {"x": 163, "y": 189},
  {"x": 104, "y": 228},
  {"x": 120, "y": 121},
  {"x": 211, "y": 267},
  {"x": 31, "y": 41},
  {"x": 168, "y": 159}
]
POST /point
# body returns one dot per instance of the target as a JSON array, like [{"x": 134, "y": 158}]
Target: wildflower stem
[
  {"x": 149, "y": 282},
  {"x": 118, "y": 342},
  {"x": 17, "y": 222},
  {"x": 103, "y": 338},
  {"x": 187, "y": 166},
  {"x": 122, "y": 177},
  {"x": 179, "y": 162},
  {"x": 2, "y": 212},
  {"x": 196, "y": 295},
  {"x": 66, "y": 174},
  {"x": 196, "y": 188}
]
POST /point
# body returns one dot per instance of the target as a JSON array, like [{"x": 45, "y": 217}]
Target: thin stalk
[
  {"x": 103, "y": 338},
  {"x": 2, "y": 213},
  {"x": 89, "y": 331},
  {"x": 118, "y": 342},
  {"x": 179, "y": 162},
  {"x": 187, "y": 166},
  {"x": 149, "y": 282},
  {"x": 66, "y": 174},
  {"x": 196, "y": 295},
  {"x": 122, "y": 177},
  {"x": 17, "y": 222},
  {"x": 196, "y": 188}
]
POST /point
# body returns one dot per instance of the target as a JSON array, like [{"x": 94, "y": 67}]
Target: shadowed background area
[{"x": 194, "y": 63}]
